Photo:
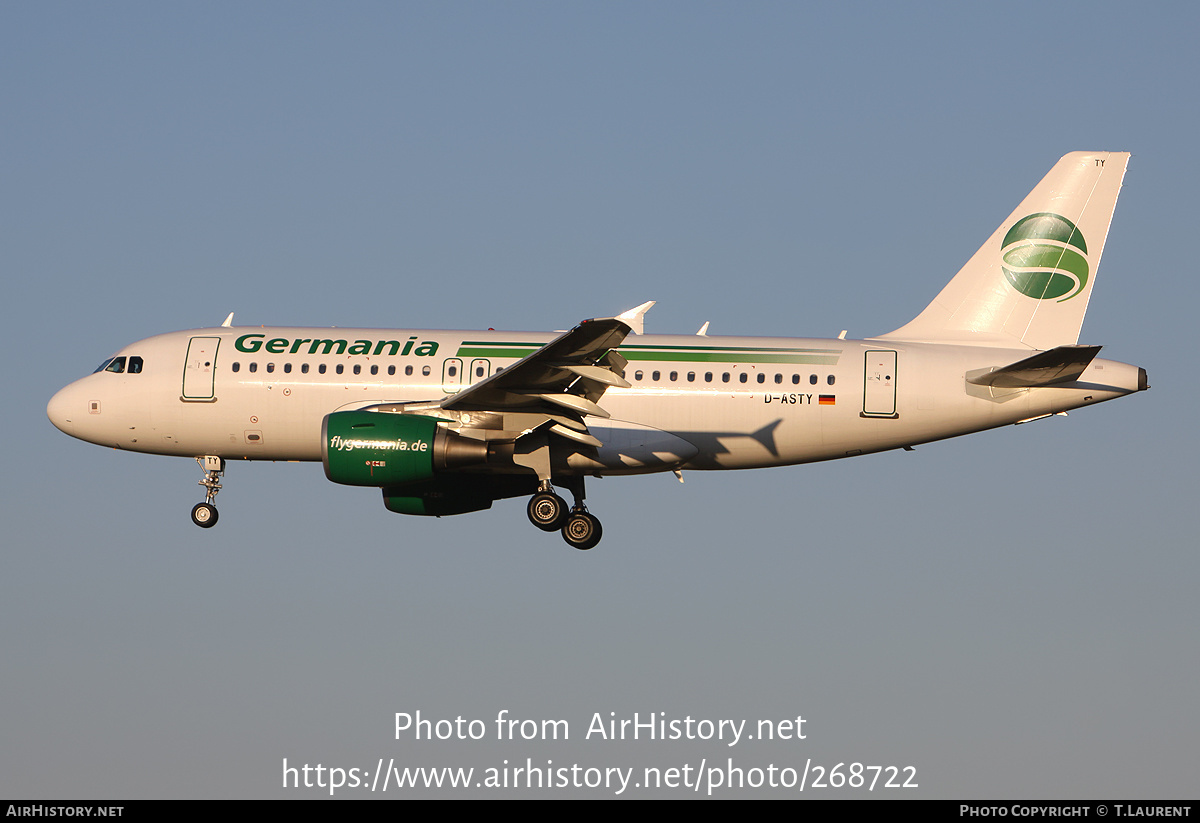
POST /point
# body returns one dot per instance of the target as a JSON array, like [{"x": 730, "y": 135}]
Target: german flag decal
[{"x": 827, "y": 399}]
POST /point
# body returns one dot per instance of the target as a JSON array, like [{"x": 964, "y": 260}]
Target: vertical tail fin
[{"x": 1029, "y": 285}]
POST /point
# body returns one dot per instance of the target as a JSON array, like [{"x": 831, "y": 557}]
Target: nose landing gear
[{"x": 204, "y": 514}]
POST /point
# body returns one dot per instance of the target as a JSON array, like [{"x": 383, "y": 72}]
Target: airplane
[{"x": 447, "y": 422}]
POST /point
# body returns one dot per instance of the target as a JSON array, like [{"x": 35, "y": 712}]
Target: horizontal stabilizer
[{"x": 1063, "y": 364}]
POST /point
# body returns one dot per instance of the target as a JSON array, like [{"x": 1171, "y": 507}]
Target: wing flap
[
  {"x": 600, "y": 374},
  {"x": 573, "y": 402},
  {"x": 577, "y": 436}
]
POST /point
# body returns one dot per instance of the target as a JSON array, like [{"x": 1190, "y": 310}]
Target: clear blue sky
[{"x": 1014, "y": 613}]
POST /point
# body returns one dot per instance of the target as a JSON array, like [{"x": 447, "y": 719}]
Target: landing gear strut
[
  {"x": 204, "y": 514},
  {"x": 549, "y": 513}
]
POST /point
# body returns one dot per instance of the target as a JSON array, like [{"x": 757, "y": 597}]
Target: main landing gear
[
  {"x": 204, "y": 514},
  {"x": 549, "y": 513}
]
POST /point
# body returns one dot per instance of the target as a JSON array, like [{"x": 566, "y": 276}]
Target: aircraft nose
[{"x": 62, "y": 410}]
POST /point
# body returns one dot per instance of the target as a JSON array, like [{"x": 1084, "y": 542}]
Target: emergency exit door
[
  {"x": 879, "y": 384},
  {"x": 199, "y": 368}
]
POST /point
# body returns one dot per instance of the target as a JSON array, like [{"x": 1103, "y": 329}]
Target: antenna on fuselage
[{"x": 228, "y": 321}]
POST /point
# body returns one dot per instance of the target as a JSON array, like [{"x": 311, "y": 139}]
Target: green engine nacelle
[
  {"x": 456, "y": 493},
  {"x": 434, "y": 503},
  {"x": 362, "y": 448}
]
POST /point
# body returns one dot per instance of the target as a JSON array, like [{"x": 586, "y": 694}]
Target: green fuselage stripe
[
  {"x": 695, "y": 354},
  {"x": 730, "y": 357},
  {"x": 466, "y": 351},
  {"x": 520, "y": 345},
  {"x": 638, "y": 347}
]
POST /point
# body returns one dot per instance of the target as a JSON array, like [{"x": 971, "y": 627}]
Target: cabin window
[
  {"x": 708, "y": 377},
  {"x": 391, "y": 370},
  {"x": 340, "y": 368},
  {"x": 691, "y": 377},
  {"x": 304, "y": 368},
  {"x": 637, "y": 375},
  {"x": 425, "y": 370},
  {"x": 795, "y": 379},
  {"x": 674, "y": 376},
  {"x": 725, "y": 377},
  {"x": 235, "y": 367},
  {"x": 374, "y": 370},
  {"x": 452, "y": 371},
  {"x": 287, "y": 368},
  {"x": 829, "y": 380},
  {"x": 762, "y": 378},
  {"x": 270, "y": 368},
  {"x": 778, "y": 378},
  {"x": 408, "y": 371},
  {"x": 812, "y": 378},
  {"x": 253, "y": 368},
  {"x": 321, "y": 369},
  {"x": 655, "y": 376},
  {"x": 357, "y": 369},
  {"x": 743, "y": 377}
]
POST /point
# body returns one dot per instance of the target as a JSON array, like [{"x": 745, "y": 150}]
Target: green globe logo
[{"x": 1044, "y": 257}]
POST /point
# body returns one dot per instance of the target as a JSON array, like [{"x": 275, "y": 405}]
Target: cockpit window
[
  {"x": 135, "y": 365},
  {"x": 102, "y": 366},
  {"x": 116, "y": 366}
]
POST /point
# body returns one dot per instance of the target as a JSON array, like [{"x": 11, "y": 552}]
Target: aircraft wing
[{"x": 570, "y": 373}]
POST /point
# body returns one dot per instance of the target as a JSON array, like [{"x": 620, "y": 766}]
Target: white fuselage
[{"x": 742, "y": 402}]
